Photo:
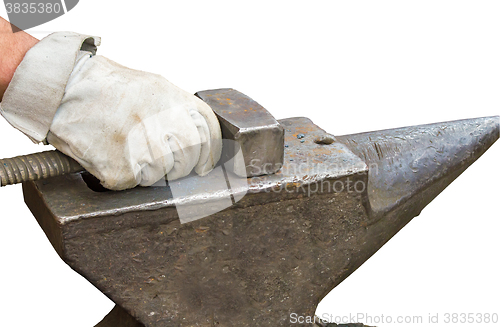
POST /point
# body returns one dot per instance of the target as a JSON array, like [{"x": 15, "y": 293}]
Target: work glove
[{"x": 126, "y": 127}]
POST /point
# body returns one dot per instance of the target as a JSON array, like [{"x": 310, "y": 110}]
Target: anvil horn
[{"x": 410, "y": 166}]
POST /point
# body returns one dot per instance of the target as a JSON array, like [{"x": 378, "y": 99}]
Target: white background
[{"x": 350, "y": 66}]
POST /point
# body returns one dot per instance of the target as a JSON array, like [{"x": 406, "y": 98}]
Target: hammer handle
[{"x": 36, "y": 166}]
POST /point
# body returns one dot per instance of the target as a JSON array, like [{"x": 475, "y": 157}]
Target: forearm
[{"x": 13, "y": 47}]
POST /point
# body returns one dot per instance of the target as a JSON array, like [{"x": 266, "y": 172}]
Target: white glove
[{"x": 125, "y": 127}]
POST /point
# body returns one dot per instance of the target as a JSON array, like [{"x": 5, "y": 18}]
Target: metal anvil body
[{"x": 292, "y": 237}]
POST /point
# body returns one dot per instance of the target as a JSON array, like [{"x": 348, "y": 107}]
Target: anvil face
[{"x": 293, "y": 237}]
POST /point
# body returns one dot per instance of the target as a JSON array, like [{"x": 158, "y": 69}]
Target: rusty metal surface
[
  {"x": 252, "y": 127},
  {"x": 279, "y": 250},
  {"x": 271, "y": 254},
  {"x": 313, "y": 162}
]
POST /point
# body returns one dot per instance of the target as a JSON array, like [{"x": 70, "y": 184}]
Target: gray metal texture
[
  {"x": 294, "y": 237},
  {"x": 255, "y": 131},
  {"x": 36, "y": 166},
  {"x": 408, "y": 160}
]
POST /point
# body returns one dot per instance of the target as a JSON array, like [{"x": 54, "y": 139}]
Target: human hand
[{"x": 125, "y": 127}]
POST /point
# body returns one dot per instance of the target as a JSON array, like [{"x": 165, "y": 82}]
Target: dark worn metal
[
  {"x": 271, "y": 254},
  {"x": 118, "y": 317},
  {"x": 279, "y": 250},
  {"x": 36, "y": 166},
  {"x": 255, "y": 131}
]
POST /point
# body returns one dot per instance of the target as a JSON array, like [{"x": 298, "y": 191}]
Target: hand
[
  {"x": 125, "y": 127},
  {"x": 128, "y": 127}
]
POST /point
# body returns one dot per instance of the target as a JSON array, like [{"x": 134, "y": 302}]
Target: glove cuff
[{"x": 37, "y": 87}]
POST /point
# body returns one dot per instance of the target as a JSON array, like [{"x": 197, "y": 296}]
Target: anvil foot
[{"x": 118, "y": 317}]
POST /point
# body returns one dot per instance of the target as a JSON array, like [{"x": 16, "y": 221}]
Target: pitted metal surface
[
  {"x": 279, "y": 250},
  {"x": 407, "y": 160},
  {"x": 242, "y": 264},
  {"x": 307, "y": 163}
]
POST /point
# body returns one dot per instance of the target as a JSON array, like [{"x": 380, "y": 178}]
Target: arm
[{"x": 13, "y": 47}]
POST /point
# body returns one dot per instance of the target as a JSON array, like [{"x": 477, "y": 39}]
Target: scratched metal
[
  {"x": 280, "y": 249},
  {"x": 408, "y": 160}
]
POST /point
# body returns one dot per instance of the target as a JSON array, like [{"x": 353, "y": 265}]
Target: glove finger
[{"x": 210, "y": 135}]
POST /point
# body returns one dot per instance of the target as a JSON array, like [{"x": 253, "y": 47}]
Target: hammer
[{"x": 253, "y": 129}]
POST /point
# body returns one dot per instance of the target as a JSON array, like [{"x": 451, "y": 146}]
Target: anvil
[{"x": 290, "y": 239}]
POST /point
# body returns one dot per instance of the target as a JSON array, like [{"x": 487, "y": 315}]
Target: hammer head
[{"x": 255, "y": 132}]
